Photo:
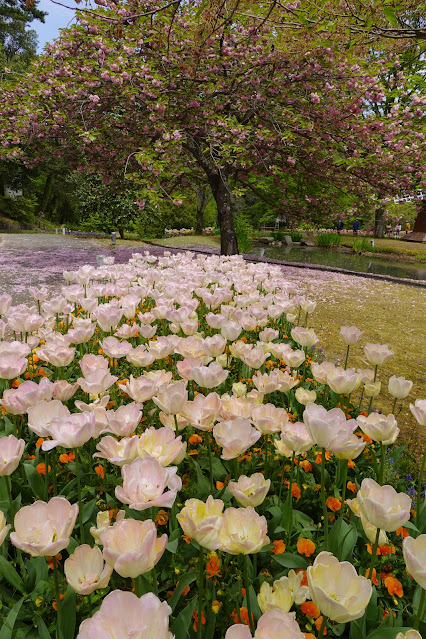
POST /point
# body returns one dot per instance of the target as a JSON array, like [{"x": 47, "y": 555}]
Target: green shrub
[
  {"x": 295, "y": 236},
  {"x": 243, "y": 232},
  {"x": 328, "y": 239},
  {"x": 362, "y": 244},
  {"x": 278, "y": 235}
]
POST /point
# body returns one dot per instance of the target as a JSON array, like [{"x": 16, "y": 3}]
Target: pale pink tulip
[
  {"x": 11, "y": 366},
  {"x": 72, "y": 431},
  {"x": 102, "y": 523},
  {"x": 145, "y": 482},
  {"x": 140, "y": 389},
  {"x": 122, "y": 614},
  {"x": 243, "y": 531},
  {"x": 377, "y": 354},
  {"x": 304, "y": 336},
  {"x": 18, "y": 401},
  {"x": 255, "y": 357},
  {"x": 380, "y": 428},
  {"x": 123, "y": 421},
  {"x": 86, "y": 571},
  {"x": 414, "y": 551},
  {"x": 203, "y": 411},
  {"x": 116, "y": 452},
  {"x": 274, "y": 624},
  {"x": 4, "y": 529},
  {"x": 321, "y": 371},
  {"x": 140, "y": 357},
  {"x": 296, "y": 437},
  {"x": 162, "y": 444},
  {"x": 399, "y": 387},
  {"x": 419, "y": 411},
  {"x": 342, "y": 381},
  {"x": 202, "y": 521},
  {"x": 56, "y": 354},
  {"x": 62, "y": 390},
  {"x": 235, "y": 437},
  {"x": 97, "y": 381},
  {"x": 329, "y": 429},
  {"x": 383, "y": 506},
  {"x": 268, "y": 418},
  {"x": 89, "y": 363},
  {"x": 350, "y": 334},
  {"x": 209, "y": 376},
  {"x": 265, "y": 383},
  {"x": 172, "y": 398},
  {"x": 234, "y": 406},
  {"x": 43, "y": 529},
  {"x": 112, "y": 347},
  {"x": 132, "y": 547},
  {"x": 250, "y": 491},
  {"x": 43, "y": 413},
  {"x": 11, "y": 451}
]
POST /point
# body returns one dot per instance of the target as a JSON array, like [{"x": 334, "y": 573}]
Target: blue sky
[{"x": 59, "y": 17}]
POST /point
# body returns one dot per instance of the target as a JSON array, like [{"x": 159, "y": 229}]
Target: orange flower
[
  {"x": 310, "y": 609},
  {"x": 351, "y": 463},
  {"x": 305, "y": 547},
  {"x": 64, "y": 458},
  {"x": 279, "y": 547},
  {"x": 186, "y": 539},
  {"x": 219, "y": 485},
  {"x": 41, "y": 469},
  {"x": 295, "y": 491},
  {"x": 386, "y": 550},
  {"x": 162, "y": 518},
  {"x": 100, "y": 471},
  {"x": 307, "y": 466},
  {"x": 403, "y": 532},
  {"x": 309, "y": 635},
  {"x": 328, "y": 456},
  {"x": 244, "y": 616},
  {"x": 394, "y": 586},
  {"x": 186, "y": 590},
  {"x": 195, "y": 439},
  {"x": 193, "y": 452},
  {"x": 333, "y": 503},
  {"x": 351, "y": 486},
  {"x": 16, "y": 383},
  {"x": 203, "y": 620},
  {"x": 54, "y": 604},
  {"x": 213, "y": 566},
  {"x": 50, "y": 560},
  {"x": 304, "y": 581},
  {"x": 318, "y": 623},
  {"x": 367, "y": 439},
  {"x": 374, "y": 579},
  {"x": 39, "y": 442}
]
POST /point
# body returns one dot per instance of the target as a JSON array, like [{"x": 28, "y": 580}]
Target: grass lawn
[
  {"x": 186, "y": 241},
  {"x": 402, "y": 249}
]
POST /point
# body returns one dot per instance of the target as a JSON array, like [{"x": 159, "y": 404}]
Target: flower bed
[{"x": 176, "y": 463}]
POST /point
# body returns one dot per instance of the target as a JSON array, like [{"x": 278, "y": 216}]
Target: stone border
[{"x": 315, "y": 267}]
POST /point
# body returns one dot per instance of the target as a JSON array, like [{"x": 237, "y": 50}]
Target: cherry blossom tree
[{"x": 155, "y": 93}]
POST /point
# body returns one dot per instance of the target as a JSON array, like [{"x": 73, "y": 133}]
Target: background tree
[{"x": 152, "y": 95}]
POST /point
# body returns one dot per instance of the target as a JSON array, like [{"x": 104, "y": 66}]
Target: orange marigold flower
[
  {"x": 235, "y": 617},
  {"x": 403, "y": 532},
  {"x": 318, "y": 623},
  {"x": 41, "y": 469},
  {"x": 310, "y": 609},
  {"x": 305, "y": 547},
  {"x": 16, "y": 383},
  {"x": 213, "y": 566},
  {"x": 195, "y": 439},
  {"x": 351, "y": 486},
  {"x": 394, "y": 586},
  {"x": 386, "y": 550},
  {"x": 279, "y": 547},
  {"x": 295, "y": 491},
  {"x": 193, "y": 452},
  {"x": 306, "y": 465},
  {"x": 39, "y": 442},
  {"x": 186, "y": 539},
  {"x": 351, "y": 463},
  {"x": 219, "y": 485},
  {"x": 367, "y": 439},
  {"x": 64, "y": 458},
  {"x": 186, "y": 590},
  {"x": 328, "y": 456},
  {"x": 162, "y": 518},
  {"x": 333, "y": 503},
  {"x": 100, "y": 471},
  {"x": 309, "y": 635}
]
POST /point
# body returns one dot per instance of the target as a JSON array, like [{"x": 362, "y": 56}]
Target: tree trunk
[
  {"x": 202, "y": 200},
  {"x": 223, "y": 198},
  {"x": 420, "y": 222},
  {"x": 47, "y": 192},
  {"x": 379, "y": 222},
  {"x": 121, "y": 230}
]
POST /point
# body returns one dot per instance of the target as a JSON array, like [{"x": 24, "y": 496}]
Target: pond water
[{"x": 349, "y": 261}]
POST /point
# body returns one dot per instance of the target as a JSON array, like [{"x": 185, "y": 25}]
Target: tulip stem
[
  {"x": 345, "y": 476},
  {"x": 420, "y": 610},
  {"x": 371, "y": 398},
  {"x": 347, "y": 355},
  {"x": 323, "y": 499},
  {"x": 80, "y": 510},
  {"x": 55, "y": 483},
  {"x": 58, "y": 598},
  {"x": 209, "y": 448},
  {"x": 290, "y": 508},
  {"x": 200, "y": 591},
  {"x": 382, "y": 464},
  {"x": 373, "y": 554},
  {"x": 12, "y": 506},
  {"x": 394, "y": 406},
  {"x": 323, "y": 626},
  {"x": 419, "y": 490},
  {"x": 46, "y": 475},
  {"x": 247, "y": 587}
]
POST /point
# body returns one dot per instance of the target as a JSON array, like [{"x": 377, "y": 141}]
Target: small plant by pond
[
  {"x": 328, "y": 239},
  {"x": 362, "y": 244}
]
